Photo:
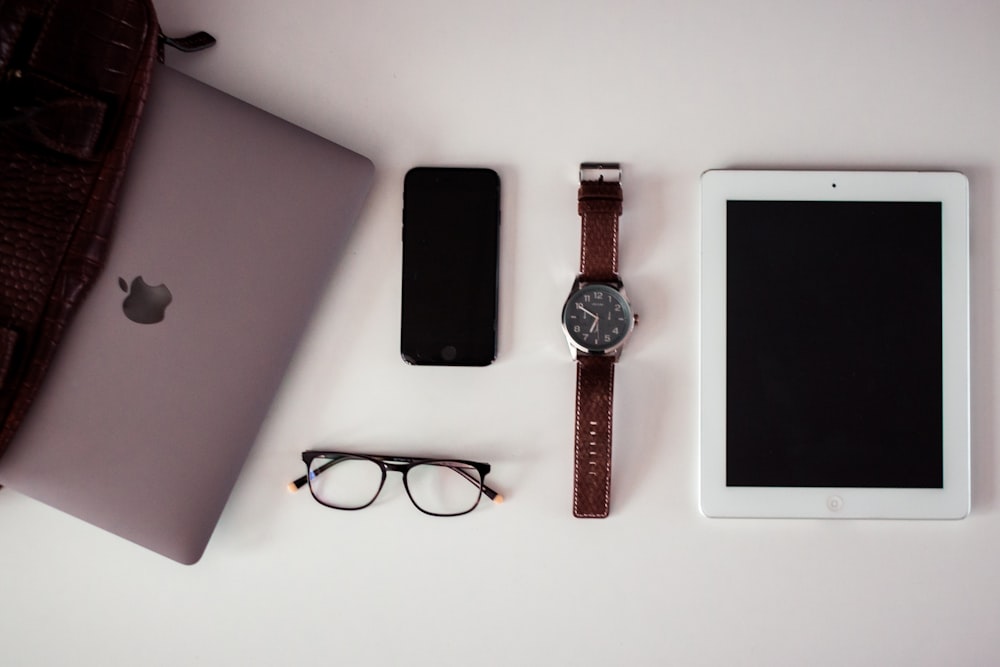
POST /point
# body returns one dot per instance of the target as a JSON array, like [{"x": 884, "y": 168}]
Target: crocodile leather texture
[{"x": 74, "y": 76}]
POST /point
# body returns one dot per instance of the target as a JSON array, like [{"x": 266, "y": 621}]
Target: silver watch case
[{"x": 615, "y": 350}]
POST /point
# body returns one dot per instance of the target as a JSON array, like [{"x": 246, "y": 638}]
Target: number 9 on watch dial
[{"x": 597, "y": 318}]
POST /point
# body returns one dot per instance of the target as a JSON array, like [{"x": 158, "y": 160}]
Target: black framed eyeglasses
[{"x": 439, "y": 487}]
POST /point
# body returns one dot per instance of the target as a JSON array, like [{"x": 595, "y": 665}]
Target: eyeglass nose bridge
[
  {"x": 402, "y": 469},
  {"x": 396, "y": 467}
]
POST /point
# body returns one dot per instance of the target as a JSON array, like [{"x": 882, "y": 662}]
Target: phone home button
[
  {"x": 448, "y": 353},
  {"x": 834, "y": 503}
]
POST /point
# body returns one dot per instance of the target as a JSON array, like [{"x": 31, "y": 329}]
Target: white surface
[
  {"x": 951, "y": 190},
  {"x": 532, "y": 89}
]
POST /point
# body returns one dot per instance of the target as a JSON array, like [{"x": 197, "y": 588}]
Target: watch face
[{"x": 597, "y": 318}]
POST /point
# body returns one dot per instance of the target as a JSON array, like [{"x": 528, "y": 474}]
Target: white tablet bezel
[{"x": 949, "y": 188}]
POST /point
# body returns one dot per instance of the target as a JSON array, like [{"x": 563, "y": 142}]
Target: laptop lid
[{"x": 230, "y": 222}]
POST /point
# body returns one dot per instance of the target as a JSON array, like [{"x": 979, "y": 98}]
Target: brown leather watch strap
[
  {"x": 595, "y": 383},
  {"x": 600, "y": 205}
]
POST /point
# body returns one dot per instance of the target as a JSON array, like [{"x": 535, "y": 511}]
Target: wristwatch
[{"x": 597, "y": 320}]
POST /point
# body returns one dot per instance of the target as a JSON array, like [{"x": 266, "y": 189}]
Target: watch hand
[
  {"x": 580, "y": 307},
  {"x": 594, "y": 325}
]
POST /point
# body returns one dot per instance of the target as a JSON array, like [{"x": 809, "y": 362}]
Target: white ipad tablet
[{"x": 835, "y": 345}]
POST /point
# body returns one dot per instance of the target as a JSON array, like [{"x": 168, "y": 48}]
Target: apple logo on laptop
[{"x": 145, "y": 304}]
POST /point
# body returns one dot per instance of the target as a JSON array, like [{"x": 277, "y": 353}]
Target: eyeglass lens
[
  {"x": 444, "y": 487},
  {"x": 345, "y": 482},
  {"x": 436, "y": 487}
]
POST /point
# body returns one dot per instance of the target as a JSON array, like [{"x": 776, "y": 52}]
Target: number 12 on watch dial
[{"x": 597, "y": 318}]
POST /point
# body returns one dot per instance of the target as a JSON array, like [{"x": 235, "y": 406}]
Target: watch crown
[{"x": 635, "y": 318}]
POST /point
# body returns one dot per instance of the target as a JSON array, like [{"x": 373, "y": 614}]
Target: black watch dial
[{"x": 597, "y": 318}]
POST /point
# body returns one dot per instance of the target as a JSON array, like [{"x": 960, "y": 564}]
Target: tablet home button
[{"x": 834, "y": 503}]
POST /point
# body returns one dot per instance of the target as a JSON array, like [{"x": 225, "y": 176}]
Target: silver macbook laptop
[{"x": 229, "y": 225}]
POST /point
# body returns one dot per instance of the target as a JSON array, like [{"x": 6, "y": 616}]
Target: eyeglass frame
[{"x": 393, "y": 463}]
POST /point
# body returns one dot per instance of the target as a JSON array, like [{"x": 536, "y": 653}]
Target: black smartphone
[{"x": 451, "y": 242}]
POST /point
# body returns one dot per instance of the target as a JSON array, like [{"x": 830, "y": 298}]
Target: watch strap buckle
[{"x": 606, "y": 172}]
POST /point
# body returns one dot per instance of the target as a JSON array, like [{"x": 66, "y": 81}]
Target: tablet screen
[{"x": 834, "y": 344}]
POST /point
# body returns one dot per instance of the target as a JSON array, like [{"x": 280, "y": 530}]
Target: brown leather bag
[{"x": 74, "y": 75}]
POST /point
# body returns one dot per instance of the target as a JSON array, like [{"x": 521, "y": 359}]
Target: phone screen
[{"x": 451, "y": 224}]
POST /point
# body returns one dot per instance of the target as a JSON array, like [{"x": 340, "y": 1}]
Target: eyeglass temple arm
[
  {"x": 304, "y": 479},
  {"x": 487, "y": 491}
]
